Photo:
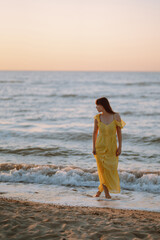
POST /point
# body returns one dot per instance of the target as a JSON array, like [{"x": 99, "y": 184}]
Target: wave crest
[{"x": 76, "y": 176}]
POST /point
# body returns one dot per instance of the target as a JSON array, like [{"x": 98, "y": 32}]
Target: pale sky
[{"x": 89, "y": 35}]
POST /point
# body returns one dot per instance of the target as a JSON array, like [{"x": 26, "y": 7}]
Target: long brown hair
[{"x": 105, "y": 103}]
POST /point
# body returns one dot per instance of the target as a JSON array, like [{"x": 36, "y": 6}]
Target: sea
[{"x": 46, "y": 126}]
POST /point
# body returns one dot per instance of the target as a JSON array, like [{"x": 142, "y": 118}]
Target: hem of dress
[{"x": 115, "y": 192}]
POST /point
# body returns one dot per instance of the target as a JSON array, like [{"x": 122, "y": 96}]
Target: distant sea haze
[{"x": 46, "y": 136}]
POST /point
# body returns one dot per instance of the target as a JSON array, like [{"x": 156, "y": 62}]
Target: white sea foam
[
  {"x": 147, "y": 182},
  {"x": 74, "y": 176}
]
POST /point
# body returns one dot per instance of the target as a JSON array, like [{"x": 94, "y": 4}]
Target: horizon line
[{"x": 149, "y": 71}]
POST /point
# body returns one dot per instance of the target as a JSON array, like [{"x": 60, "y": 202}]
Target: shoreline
[
  {"x": 17, "y": 199},
  {"x": 32, "y": 220}
]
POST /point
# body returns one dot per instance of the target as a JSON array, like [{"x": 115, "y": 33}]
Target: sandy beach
[{"x": 29, "y": 220}]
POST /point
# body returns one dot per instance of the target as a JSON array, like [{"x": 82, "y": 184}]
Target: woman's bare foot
[
  {"x": 98, "y": 194},
  {"x": 107, "y": 195}
]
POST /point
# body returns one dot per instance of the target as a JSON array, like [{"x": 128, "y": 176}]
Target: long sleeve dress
[{"x": 107, "y": 161}]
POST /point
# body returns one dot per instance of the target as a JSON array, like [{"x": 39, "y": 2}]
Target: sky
[{"x": 80, "y": 35}]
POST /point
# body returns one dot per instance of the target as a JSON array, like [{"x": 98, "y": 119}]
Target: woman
[{"x": 105, "y": 147}]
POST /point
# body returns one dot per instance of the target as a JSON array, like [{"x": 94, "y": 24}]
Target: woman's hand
[
  {"x": 94, "y": 152},
  {"x": 118, "y": 152}
]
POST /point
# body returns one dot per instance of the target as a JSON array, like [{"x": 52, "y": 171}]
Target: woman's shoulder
[
  {"x": 117, "y": 117},
  {"x": 119, "y": 122},
  {"x": 97, "y": 117}
]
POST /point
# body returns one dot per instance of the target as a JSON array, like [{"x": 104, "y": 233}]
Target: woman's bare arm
[
  {"x": 119, "y": 135},
  {"x": 95, "y": 132}
]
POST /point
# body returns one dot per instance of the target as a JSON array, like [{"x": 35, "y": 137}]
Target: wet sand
[{"x": 29, "y": 220}]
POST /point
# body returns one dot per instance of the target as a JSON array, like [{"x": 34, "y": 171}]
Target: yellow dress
[{"x": 107, "y": 161}]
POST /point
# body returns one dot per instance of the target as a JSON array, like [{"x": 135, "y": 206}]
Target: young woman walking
[{"x": 105, "y": 149}]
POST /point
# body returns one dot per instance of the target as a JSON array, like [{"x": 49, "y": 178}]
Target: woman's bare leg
[
  {"x": 107, "y": 195},
  {"x": 98, "y": 194}
]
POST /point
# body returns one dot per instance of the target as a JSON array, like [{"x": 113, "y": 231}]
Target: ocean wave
[
  {"x": 60, "y": 135},
  {"x": 11, "y": 81},
  {"x": 139, "y": 114},
  {"x": 74, "y": 96},
  {"x": 69, "y": 136},
  {"x": 39, "y": 151},
  {"x": 142, "y": 84},
  {"x": 141, "y": 181},
  {"x": 128, "y": 113},
  {"x": 65, "y": 95},
  {"x": 6, "y": 99},
  {"x": 146, "y": 181},
  {"x": 147, "y": 140},
  {"x": 69, "y": 95},
  {"x": 46, "y": 174}
]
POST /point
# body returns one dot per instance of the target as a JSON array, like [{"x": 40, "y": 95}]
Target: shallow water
[{"x": 46, "y": 137}]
